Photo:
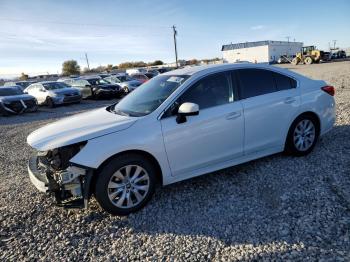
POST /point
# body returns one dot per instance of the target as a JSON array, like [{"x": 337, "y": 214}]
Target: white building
[{"x": 260, "y": 52}]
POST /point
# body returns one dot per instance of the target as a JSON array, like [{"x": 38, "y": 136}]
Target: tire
[
  {"x": 49, "y": 102},
  {"x": 126, "y": 90},
  {"x": 116, "y": 194},
  {"x": 295, "y": 61},
  {"x": 301, "y": 141},
  {"x": 308, "y": 60}
]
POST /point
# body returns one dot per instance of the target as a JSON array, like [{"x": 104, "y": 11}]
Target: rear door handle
[
  {"x": 289, "y": 100},
  {"x": 233, "y": 115}
]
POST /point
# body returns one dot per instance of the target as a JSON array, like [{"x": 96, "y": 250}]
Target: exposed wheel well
[{"x": 145, "y": 154}]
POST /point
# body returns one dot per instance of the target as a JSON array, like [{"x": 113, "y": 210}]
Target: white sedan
[{"x": 179, "y": 125}]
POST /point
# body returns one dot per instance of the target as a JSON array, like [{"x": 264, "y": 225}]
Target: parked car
[
  {"x": 179, "y": 125},
  {"x": 14, "y": 101},
  {"x": 103, "y": 75},
  {"x": 53, "y": 93},
  {"x": 82, "y": 85},
  {"x": 136, "y": 71},
  {"x": 164, "y": 69},
  {"x": 140, "y": 77},
  {"x": 22, "y": 84},
  {"x": 127, "y": 83},
  {"x": 153, "y": 71},
  {"x": 100, "y": 88},
  {"x": 338, "y": 54},
  {"x": 150, "y": 75}
]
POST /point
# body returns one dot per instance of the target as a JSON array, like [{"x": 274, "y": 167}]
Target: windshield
[
  {"x": 147, "y": 97},
  {"x": 55, "y": 85},
  {"x": 10, "y": 92},
  {"x": 97, "y": 81}
]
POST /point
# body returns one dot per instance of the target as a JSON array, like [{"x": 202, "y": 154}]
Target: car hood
[
  {"x": 78, "y": 128},
  {"x": 24, "y": 97}
]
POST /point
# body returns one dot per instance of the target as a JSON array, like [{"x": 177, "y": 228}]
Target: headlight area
[{"x": 51, "y": 171}]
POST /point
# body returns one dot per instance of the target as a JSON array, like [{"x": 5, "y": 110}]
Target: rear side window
[
  {"x": 284, "y": 82},
  {"x": 255, "y": 82}
]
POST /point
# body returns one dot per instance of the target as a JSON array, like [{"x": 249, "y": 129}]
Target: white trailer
[{"x": 259, "y": 52}]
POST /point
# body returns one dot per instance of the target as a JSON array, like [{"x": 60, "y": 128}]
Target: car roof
[
  {"x": 204, "y": 69},
  {"x": 46, "y": 82},
  {"x": 90, "y": 77}
]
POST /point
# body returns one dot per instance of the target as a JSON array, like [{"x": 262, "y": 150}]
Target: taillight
[{"x": 329, "y": 90}]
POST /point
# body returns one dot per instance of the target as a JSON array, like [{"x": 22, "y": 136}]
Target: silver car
[
  {"x": 125, "y": 81},
  {"x": 53, "y": 93}
]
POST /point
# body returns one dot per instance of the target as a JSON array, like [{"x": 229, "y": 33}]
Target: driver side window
[{"x": 213, "y": 90}]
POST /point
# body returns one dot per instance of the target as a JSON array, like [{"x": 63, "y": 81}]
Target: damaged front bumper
[{"x": 71, "y": 187}]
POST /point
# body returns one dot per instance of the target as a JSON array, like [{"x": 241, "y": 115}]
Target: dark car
[
  {"x": 14, "y": 101},
  {"x": 101, "y": 88},
  {"x": 22, "y": 84},
  {"x": 150, "y": 75}
]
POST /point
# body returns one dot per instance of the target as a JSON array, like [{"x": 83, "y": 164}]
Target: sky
[{"x": 37, "y": 36}]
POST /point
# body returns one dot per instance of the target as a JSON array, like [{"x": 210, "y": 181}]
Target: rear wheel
[
  {"x": 302, "y": 136},
  {"x": 125, "y": 184},
  {"x": 308, "y": 60}
]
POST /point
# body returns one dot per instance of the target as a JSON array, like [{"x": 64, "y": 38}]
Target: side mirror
[
  {"x": 42, "y": 90},
  {"x": 186, "y": 109}
]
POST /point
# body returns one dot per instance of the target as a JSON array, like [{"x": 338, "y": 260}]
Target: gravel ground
[{"x": 275, "y": 208}]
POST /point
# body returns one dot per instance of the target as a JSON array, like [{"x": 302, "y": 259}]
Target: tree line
[{"x": 71, "y": 67}]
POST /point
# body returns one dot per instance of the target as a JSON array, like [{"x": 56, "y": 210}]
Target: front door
[{"x": 214, "y": 136}]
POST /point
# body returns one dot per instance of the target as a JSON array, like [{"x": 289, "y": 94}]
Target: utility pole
[
  {"x": 288, "y": 38},
  {"x": 87, "y": 61},
  {"x": 175, "y": 34},
  {"x": 334, "y": 43}
]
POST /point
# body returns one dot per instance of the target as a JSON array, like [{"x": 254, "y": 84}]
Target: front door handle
[
  {"x": 233, "y": 115},
  {"x": 289, "y": 100}
]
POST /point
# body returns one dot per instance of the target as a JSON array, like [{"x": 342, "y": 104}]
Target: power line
[
  {"x": 334, "y": 43},
  {"x": 77, "y": 24}
]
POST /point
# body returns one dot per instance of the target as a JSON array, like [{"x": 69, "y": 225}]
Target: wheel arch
[
  {"x": 306, "y": 113},
  {"x": 143, "y": 153}
]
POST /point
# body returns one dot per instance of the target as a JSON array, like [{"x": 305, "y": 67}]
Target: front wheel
[
  {"x": 125, "y": 184},
  {"x": 295, "y": 61},
  {"x": 302, "y": 136}
]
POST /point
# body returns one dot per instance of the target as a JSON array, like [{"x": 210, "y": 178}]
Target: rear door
[{"x": 270, "y": 101}]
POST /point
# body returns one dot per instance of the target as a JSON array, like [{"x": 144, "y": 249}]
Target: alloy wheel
[
  {"x": 128, "y": 186},
  {"x": 304, "y": 135}
]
